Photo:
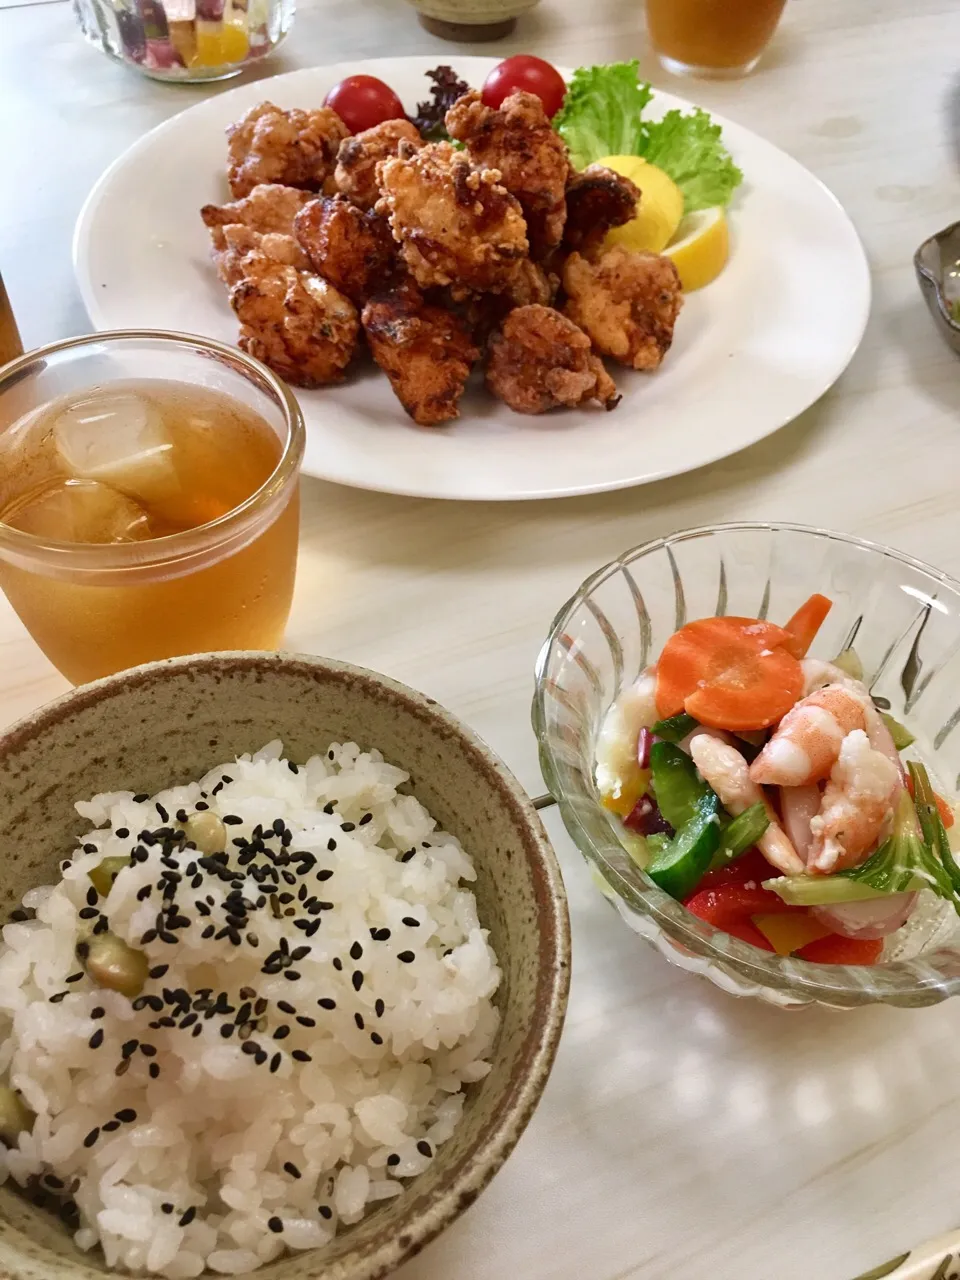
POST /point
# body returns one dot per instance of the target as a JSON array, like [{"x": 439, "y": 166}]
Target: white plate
[{"x": 751, "y": 351}]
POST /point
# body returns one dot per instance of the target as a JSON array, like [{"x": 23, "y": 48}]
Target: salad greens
[{"x": 602, "y": 115}]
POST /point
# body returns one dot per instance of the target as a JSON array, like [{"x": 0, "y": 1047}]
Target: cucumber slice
[{"x": 679, "y": 868}]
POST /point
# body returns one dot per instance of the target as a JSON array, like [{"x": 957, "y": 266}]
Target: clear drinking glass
[
  {"x": 224, "y": 579},
  {"x": 902, "y": 616},
  {"x": 185, "y": 40},
  {"x": 722, "y": 39}
]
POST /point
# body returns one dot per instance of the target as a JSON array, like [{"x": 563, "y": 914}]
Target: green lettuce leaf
[
  {"x": 601, "y": 114},
  {"x": 689, "y": 149}
]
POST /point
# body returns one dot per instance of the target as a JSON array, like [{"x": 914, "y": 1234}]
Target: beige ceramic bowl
[{"x": 169, "y": 722}]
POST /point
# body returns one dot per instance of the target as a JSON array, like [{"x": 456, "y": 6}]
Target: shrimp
[
  {"x": 857, "y": 801},
  {"x": 616, "y": 755},
  {"x": 724, "y": 769},
  {"x": 807, "y": 741}
]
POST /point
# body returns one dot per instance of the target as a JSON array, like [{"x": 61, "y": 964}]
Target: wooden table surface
[{"x": 682, "y": 1133}]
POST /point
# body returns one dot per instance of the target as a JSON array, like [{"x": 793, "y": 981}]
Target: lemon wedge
[
  {"x": 699, "y": 249},
  {"x": 660, "y": 209}
]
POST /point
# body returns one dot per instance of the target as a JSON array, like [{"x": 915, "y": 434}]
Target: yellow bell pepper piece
[
  {"x": 788, "y": 932},
  {"x": 631, "y": 789}
]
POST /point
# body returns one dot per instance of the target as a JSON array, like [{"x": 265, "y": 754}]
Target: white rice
[{"x": 226, "y": 1164}]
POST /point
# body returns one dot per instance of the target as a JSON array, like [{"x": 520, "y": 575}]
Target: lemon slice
[
  {"x": 699, "y": 249},
  {"x": 660, "y": 209}
]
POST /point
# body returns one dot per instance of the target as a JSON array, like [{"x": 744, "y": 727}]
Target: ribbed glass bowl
[{"x": 903, "y": 618}]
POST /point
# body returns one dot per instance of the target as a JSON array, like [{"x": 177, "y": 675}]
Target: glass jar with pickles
[{"x": 185, "y": 40}]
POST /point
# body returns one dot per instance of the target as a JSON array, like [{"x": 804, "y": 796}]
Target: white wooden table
[{"x": 682, "y": 1133}]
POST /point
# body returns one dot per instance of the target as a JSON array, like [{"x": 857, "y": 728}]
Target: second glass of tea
[
  {"x": 149, "y": 499},
  {"x": 722, "y": 39}
]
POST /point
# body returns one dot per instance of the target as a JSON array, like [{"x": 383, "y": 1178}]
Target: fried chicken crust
[
  {"x": 540, "y": 360},
  {"x": 456, "y": 225},
  {"x": 268, "y": 211},
  {"x": 597, "y": 200},
  {"x": 484, "y": 312},
  {"x": 357, "y": 159},
  {"x": 425, "y": 351},
  {"x": 350, "y": 247},
  {"x": 519, "y": 140},
  {"x": 296, "y": 148},
  {"x": 294, "y": 321},
  {"x": 626, "y": 302}
]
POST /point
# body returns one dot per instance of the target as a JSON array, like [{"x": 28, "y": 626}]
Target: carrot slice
[
  {"x": 704, "y": 650},
  {"x": 947, "y": 816},
  {"x": 805, "y": 624}
]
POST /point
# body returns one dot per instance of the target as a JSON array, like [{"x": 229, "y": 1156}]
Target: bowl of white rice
[{"x": 284, "y": 965}]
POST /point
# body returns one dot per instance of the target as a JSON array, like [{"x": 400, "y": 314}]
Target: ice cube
[
  {"x": 119, "y": 438},
  {"x": 81, "y": 511}
]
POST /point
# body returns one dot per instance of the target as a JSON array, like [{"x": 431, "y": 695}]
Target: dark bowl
[{"x": 937, "y": 264}]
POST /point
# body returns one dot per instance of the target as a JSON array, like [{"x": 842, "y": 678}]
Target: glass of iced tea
[
  {"x": 714, "y": 38},
  {"x": 149, "y": 499}
]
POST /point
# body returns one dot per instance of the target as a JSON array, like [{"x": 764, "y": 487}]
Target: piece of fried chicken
[
  {"x": 294, "y": 321},
  {"x": 540, "y": 360},
  {"x": 597, "y": 200},
  {"x": 350, "y": 247},
  {"x": 519, "y": 140},
  {"x": 268, "y": 211},
  {"x": 425, "y": 351},
  {"x": 456, "y": 225},
  {"x": 233, "y": 243},
  {"x": 484, "y": 312},
  {"x": 357, "y": 159},
  {"x": 296, "y": 148},
  {"x": 626, "y": 302}
]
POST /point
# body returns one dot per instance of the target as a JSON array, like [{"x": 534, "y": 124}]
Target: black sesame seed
[
  {"x": 209, "y": 931},
  {"x": 83, "y": 950},
  {"x": 380, "y": 935},
  {"x": 379, "y": 1007},
  {"x": 243, "y": 1013},
  {"x": 129, "y": 1047},
  {"x": 74, "y": 977},
  {"x": 285, "y": 1006},
  {"x": 92, "y": 896},
  {"x": 91, "y": 1137},
  {"x": 154, "y": 1069},
  {"x": 285, "y": 897},
  {"x": 358, "y": 1019},
  {"x": 275, "y": 1224},
  {"x": 141, "y": 798},
  {"x": 96, "y": 1040},
  {"x": 253, "y": 940},
  {"x": 126, "y": 1116},
  {"x": 306, "y": 1021},
  {"x": 281, "y": 1032},
  {"x": 348, "y": 826},
  {"x": 301, "y": 1055},
  {"x": 367, "y": 817},
  {"x": 337, "y": 963},
  {"x": 425, "y": 1148},
  {"x": 406, "y": 957},
  {"x": 122, "y": 833},
  {"x": 291, "y": 975},
  {"x": 357, "y": 979},
  {"x": 88, "y": 913},
  {"x": 89, "y": 848},
  {"x": 292, "y": 767},
  {"x": 231, "y": 820},
  {"x": 201, "y": 805},
  {"x": 188, "y": 1216},
  {"x": 405, "y": 857},
  {"x": 261, "y": 1058},
  {"x": 58, "y": 996},
  {"x": 188, "y": 1021},
  {"x": 356, "y": 951},
  {"x": 326, "y": 1003},
  {"x": 291, "y": 1168},
  {"x": 167, "y": 1207},
  {"x": 169, "y": 938},
  {"x": 411, "y": 922},
  {"x": 196, "y": 1031},
  {"x": 393, "y": 1160},
  {"x": 324, "y": 874},
  {"x": 289, "y": 878},
  {"x": 18, "y": 914},
  {"x": 122, "y": 1068},
  {"x": 159, "y": 970},
  {"x": 97, "y": 1012},
  {"x": 299, "y": 953},
  {"x": 148, "y": 1050},
  {"x": 376, "y": 1037},
  {"x": 144, "y": 892},
  {"x": 227, "y": 1029},
  {"x": 164, "y": 816},
  {"x": 149, "y": 936},
  {"x": 111, "y": 1126},
  {"x": 325, "y": 1211}
]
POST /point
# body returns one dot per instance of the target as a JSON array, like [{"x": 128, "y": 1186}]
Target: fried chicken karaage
[
  {"x": 350, "y": 247},
  {"x": 425, "y": 351},
  {"x": 519, "y": 141},
  {"x": 357, "y": 159},
  {"x": 626, "y": 302},
  {"x": 540, "y": 360},
  {"x": 456, "y": 225},
  {"x": 294, "y": 321},
  {"x": 597, "y": 201},
  {"x": 237, "y": 228},
  {"x": 296, "y": 148}
]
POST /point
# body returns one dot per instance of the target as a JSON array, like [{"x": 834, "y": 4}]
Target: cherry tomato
[
  {"x": 531, "y": 74},
  {"x": 363, "y": 101}
]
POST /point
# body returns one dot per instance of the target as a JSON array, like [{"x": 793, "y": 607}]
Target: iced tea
[
  {"x": 712, "y": 37},
  {"x": 126, "y": 489}
]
